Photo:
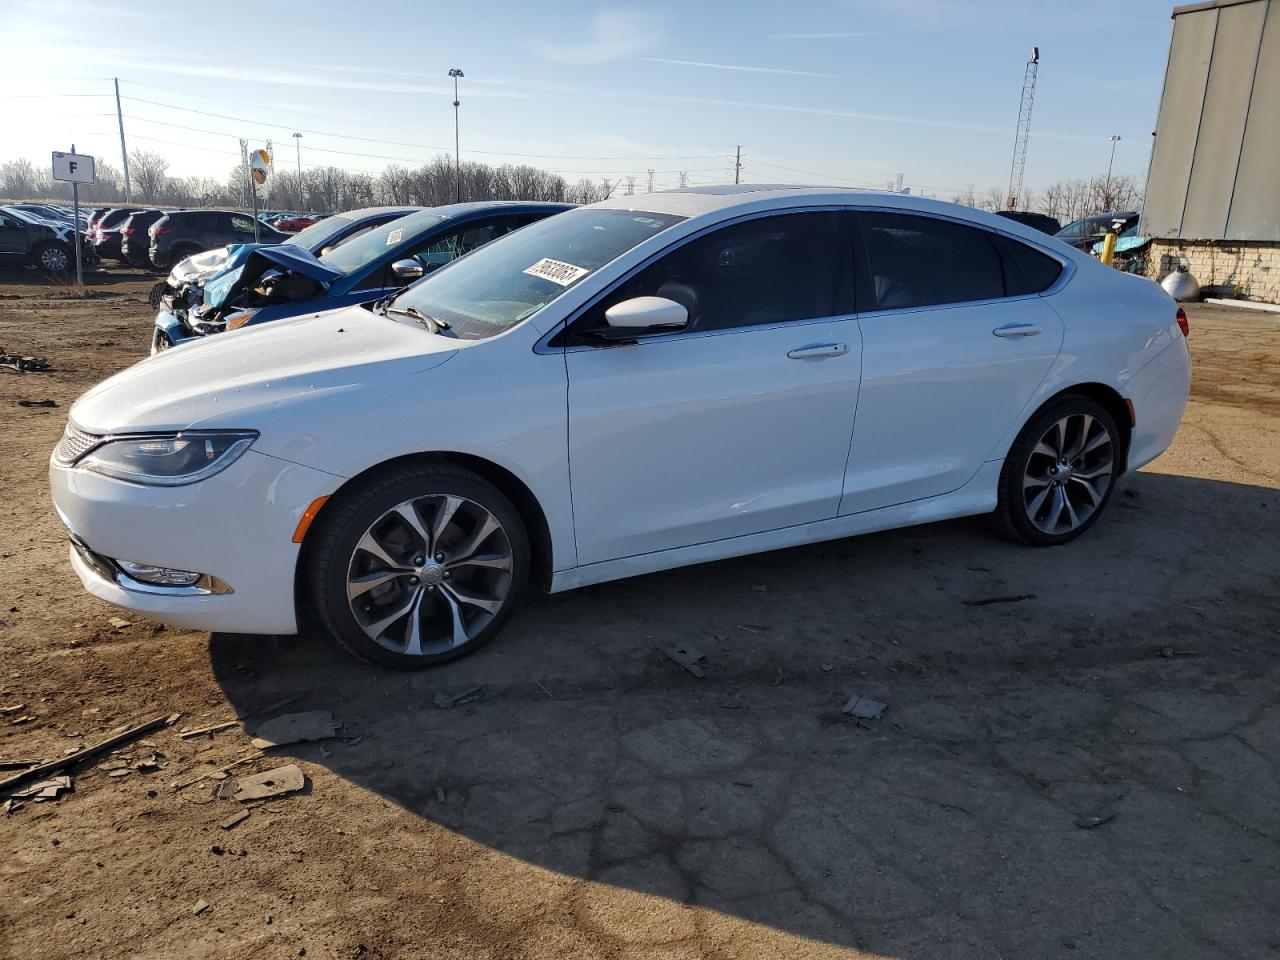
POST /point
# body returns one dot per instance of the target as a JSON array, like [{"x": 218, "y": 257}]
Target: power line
[{"x": 403, "y": 143}]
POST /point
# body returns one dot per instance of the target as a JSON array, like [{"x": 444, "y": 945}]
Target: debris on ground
[
  {"x": 759, "y": 588},
  {"x": 36, "y": 403},
  {"x": 232, "y": 822},
  {"x": 205, "y": 771},
  {"x": 988, "y": 601},
  {"x": 13, "y": 708},
  {"x": 200, "y": 907},
  {"x": 295, "y": 728},
  {"x": 24, "y": 364},
  {"x": 272, "y": 783},
  {"x": 201, "y": 731},
  {"x": 444, "y": 701},
  {"x": 20, "y": 764},
  {"x": 118, "y": 623},
  {"x": 864, "y": 708},
  {"x": 687, "y": 656},
  {"x": 1169, "y": 653},
  {"x": 49, "y": 789},
  {"x": 440, "y": 795},
  {"x": 124, "y": 736},
  {"x": 1094, "y": 820}
]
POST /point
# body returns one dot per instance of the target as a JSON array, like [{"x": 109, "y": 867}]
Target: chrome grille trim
[{"x": 75, "y": 443}]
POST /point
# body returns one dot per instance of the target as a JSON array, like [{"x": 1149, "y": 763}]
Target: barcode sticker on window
[
  {"x": 395, "y": 236},
  {"x": 557, "y": 271}
]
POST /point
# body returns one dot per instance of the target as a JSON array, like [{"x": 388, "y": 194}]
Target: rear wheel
[
  {"x": 420, "y": 565},
  {"x": 1060, "y": 473}
]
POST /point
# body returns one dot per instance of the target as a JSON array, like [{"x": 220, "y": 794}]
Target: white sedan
[{"x": 635, "y": 385}]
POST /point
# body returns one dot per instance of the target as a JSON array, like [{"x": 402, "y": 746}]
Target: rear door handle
[
  {"x": 819, "y": 350},
  {"x": 1014, "y": 330}
]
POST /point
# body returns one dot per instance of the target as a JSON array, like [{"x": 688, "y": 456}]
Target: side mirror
[
  {"x": 641, "y": 314},
  {"x": 407, "y": 271}
]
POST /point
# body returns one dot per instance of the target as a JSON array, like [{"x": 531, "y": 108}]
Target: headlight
[
  {"x": 237, "y": 320},
  {"x": 169, "y": 460}
]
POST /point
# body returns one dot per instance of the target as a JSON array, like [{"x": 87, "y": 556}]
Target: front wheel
[
  {"x": 53, "y": 257},
  {"x": 419, "y": 565},
  {"x": 1060, "y": 473}
]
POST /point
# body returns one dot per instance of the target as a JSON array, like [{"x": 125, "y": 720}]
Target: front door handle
[
  {"x": 819, "y": 350},
  {"x": 1015, "y": 330}
]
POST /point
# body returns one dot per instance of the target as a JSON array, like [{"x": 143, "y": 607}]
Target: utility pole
[
  {"x": 1106, "y": 193},
  {"x": 737, "y": 166},
  {"x": 684, "y": 179},
  {"x": 631, "y": 187},
  {"x": 1021, "y": 138},
  {"x": 457, "y": 149},
  {"x": 650, "y": 189},
  {"x": 124, "y": 154},
  {"x": 297, "y": 142}
]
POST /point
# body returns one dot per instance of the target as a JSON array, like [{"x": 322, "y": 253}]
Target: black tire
[
  {"x": 1014, "y": 516},
  {"x": 331, "y": 548},
  {"x": 45, "y": 255}
]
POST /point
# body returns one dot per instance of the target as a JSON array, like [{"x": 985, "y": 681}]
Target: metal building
[{"x": 1215, "y": 161}]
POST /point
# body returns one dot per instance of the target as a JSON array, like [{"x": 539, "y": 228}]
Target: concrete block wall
[{"x": 1251, "y": 267}]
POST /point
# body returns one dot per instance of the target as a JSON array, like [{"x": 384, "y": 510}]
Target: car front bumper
[
  {"x": 169, "y": 327},
  {"x": 236, "y": 527}
]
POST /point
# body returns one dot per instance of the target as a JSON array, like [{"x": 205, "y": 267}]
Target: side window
[
  {"x": 242, "y": 224},
  {"x": 449, "y": 247},
  {"x": 1026, "y": 270},
  {"x": 920, "y": 262},
  {"x": 1071, "y": 229},
  {"x": 769, "y": 270}
]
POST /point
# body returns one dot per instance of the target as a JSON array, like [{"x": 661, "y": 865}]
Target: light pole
[
  {"x": 297, "y": 142},
  {"x": 457, "y": 150},
  {"x": 1106, "y": 193}
]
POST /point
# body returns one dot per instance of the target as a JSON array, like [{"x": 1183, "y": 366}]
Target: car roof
[{"x": 713, "y": 202}]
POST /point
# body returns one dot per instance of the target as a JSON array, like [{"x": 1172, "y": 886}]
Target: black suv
[
  {"x": 134, "y": 240},
  {"x": 105, "y": 231},
  {"x": 27, "y": 242},
  {"x": 184, "y": 232}
]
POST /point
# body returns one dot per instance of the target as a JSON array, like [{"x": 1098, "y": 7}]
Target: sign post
[
  {"x": 76, "y": 169},
  {"x": 259, "y": 166}
]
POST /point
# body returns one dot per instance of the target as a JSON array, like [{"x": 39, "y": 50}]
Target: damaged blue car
[{"x": 258, "y": 284}]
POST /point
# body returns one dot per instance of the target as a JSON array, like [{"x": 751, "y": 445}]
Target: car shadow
[{"x": 1029, "y": 693}]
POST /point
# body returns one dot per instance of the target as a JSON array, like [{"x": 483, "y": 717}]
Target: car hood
[
  {"x": 246, "y": 263},
  {"x": 229, "y": 380}
]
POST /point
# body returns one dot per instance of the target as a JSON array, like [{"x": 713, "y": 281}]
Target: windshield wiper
[{"x": 431, "y": 324}]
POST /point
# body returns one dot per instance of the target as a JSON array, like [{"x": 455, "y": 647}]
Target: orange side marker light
[{"x": 308, "y": 515}]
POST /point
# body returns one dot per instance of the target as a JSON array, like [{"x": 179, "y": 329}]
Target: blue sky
[{"x": 843, "y": 91}]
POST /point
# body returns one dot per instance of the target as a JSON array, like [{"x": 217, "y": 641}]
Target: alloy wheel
[
  {"x": 429, "y": 574},
  {"x": 1068, "y": 474},
  {"x": 54, "y": 259}
]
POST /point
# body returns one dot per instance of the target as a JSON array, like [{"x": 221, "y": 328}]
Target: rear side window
[
  {"x": 1026, "y": 270},
  {"x": 919, "y": 262}
]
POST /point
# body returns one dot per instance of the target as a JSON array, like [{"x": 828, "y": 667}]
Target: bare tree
[
  {"x": 19, "y": 180},
  {"x": 148, "y": 172}
]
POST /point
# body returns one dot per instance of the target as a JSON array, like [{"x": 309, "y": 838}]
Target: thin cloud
[
  {"x": 736, "y": 66},
  {"x": 614, "y": 35},
  {"x": 833, "y": 35}
]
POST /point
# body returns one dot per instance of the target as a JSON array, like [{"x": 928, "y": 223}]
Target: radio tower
[{"x": 1024, "y": 130}]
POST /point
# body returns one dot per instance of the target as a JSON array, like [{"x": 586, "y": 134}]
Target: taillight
[
  {"x": 1182, "y": 322},
  {"x": 126, "y": 231},
  {"x": 157, "y": 230}
]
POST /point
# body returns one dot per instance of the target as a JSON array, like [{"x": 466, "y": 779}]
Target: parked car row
[
  {"x": 30, "y": 241},
  {"x": 639, "y": 384}
]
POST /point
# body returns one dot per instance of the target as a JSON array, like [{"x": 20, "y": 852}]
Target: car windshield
[
  {"x": 497, "y": 286},
  {"x": 359, "y": 253},
  {"x": 318, "y": 235}
]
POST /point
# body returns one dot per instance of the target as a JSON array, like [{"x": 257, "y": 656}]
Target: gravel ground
[{"x": 595, "y": 800}]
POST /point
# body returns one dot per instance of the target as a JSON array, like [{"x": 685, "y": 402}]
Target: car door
[
  {"x": 955, "y": 342},
  {"x": 13, "y": 236},
  {"x": 738, "y": 424}
]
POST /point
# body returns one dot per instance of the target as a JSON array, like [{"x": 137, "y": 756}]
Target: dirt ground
[{"x": 596, "y": 800}]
